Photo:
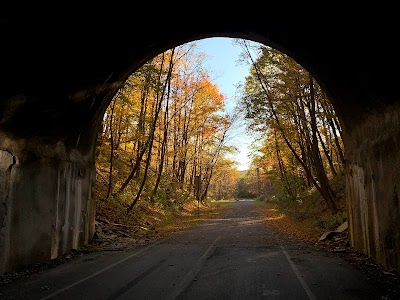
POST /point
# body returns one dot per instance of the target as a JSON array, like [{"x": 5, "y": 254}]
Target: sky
[{"x": 227, "y": 73}]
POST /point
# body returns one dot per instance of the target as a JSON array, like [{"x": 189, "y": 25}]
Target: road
[{"x": 235, "y": 256}]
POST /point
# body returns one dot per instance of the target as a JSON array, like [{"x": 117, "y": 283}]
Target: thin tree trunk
[
  {"x": 335, "y": 127},
  {"x": 321, "y": 174},
  {"x": 152, "y": 130},
  {"x": 111, "y": 149},
  {"x": 163, "y": 145},
  {"x": 134, "y": 169},
  {"x": 327, "y": 155},
  {"x": 213, "y": 161},
  {"x": 304, "y": 140},
  {"x": 207, "y": 184},
  {"x": 141, "y": 148},
  {"x": 119, "y": 131},
  {"x": 282, "y": 170}
]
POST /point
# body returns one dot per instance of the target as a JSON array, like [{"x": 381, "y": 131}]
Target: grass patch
[
  {"x": 261, "y": 203},
  {"x": 189, "y": 216}
]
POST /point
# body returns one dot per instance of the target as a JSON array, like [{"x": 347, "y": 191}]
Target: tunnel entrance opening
[{"x": 171, "y": 124}]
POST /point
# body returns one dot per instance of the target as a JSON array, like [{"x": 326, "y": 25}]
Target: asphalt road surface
[{"x": 237, "y": 256}]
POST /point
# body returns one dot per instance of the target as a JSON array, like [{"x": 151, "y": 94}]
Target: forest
[{"x": 163, "y": 143}]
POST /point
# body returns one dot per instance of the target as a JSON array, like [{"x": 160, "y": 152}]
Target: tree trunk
[
  {"x": 111, "y": 149},
  {"x": 321, "y": 174},
  {"x": 163, "y": 145},
  {"x": 158, "y": 106}
]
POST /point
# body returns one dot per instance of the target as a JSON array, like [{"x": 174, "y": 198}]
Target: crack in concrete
[{"x": 7, "y": 162}]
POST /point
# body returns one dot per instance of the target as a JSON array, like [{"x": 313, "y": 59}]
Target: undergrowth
[
  {"x": 310, "y": 213},
  {"x": 162, "y": 212}
]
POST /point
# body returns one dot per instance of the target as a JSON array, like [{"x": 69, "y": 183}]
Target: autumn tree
[
  {"x": 282, "y": 100},
  {"x": 164, "y": 126}
]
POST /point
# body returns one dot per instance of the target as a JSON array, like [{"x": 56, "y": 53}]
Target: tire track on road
[{"x": 190, "y": 276}]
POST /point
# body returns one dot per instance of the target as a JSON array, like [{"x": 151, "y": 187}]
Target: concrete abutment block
[{"x": 46, "y": 204}]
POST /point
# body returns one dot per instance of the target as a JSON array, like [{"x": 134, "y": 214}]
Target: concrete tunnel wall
[
  {"x": 46, "y": 204},
  {"x": 47, "y": 181},
  {"x": 372, "y": 187}
]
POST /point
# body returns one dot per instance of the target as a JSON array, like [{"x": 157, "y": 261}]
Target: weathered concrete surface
[
  {"x": 373, "y": 182},
  {"x": 46, "y": 205},
  {"x": 7, "y": 161}
]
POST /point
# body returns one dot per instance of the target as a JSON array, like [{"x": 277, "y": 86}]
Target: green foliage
[
  {"x": 260, "y": 203},
  {"x": 327, "y": 222},
  {"x": 245, "y": 190},
  {"x": 310, "y": 210}
]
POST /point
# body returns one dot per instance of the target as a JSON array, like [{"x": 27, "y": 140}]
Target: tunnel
[{"x": 59, "y": 72}]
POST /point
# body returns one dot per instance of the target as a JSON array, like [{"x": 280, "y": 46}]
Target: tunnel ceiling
[{"x": 58, "y": 66}]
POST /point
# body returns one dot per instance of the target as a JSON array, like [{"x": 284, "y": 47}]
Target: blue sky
[{"x": 226, "y": 72}]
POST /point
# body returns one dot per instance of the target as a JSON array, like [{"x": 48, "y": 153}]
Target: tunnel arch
[
  {"x": 134, "y": 65},
  {"x": 56, "y": 88}
]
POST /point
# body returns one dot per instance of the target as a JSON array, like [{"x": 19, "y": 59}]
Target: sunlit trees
[
  {"x": 165, "y": 126},
  {"x": 302, "y": 134},
  {"x": 168, "y": 126},
  {"x": 224, "y": 183}
]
